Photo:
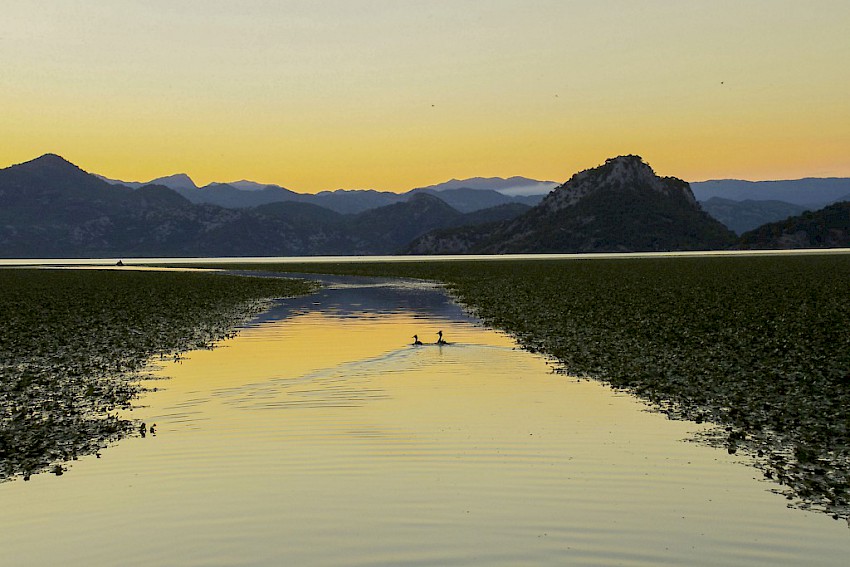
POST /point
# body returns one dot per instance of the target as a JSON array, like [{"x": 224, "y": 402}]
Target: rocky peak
[
  {"x": 625, "y": 170},
  {"x": 622, "y": 173}
]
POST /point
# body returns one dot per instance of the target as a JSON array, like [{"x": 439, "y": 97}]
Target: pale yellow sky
[{"x": 396, "y": 94}]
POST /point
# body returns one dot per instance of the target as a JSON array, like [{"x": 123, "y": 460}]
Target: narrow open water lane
[{"x": 320, "y": 436}]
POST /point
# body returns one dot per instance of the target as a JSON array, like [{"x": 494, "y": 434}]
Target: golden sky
[{"x": 395, "y": 94}]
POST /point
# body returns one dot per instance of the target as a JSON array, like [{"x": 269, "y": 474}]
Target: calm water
[
  {"x": 344, "y": 259},
  {"x": 320, "y": 437}
]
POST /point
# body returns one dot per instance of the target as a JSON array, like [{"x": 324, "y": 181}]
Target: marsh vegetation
[
  {"x": 759, "y": 346},
  {"x": 72, "y": 342}
]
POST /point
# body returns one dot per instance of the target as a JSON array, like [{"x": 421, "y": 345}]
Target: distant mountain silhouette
[
  {"x": 30, "y": 190},
  {"x": 387, "y": 229},
  {"x": 512, "y": 186},
  {"x": 51, "y": 208},
  {"x": 492, "y": 214},
  {"x": 811, "y": 193},
  {"x": 467, "y": 200},
  {"x": 617, "y": 207},
  {"x": 465, "y": 195},
  {"x": 245, "y": 185},
  {"x": 826, "y": 228},
  {"x": 352, "y": 201},
  {"x": 741, "y": 216},
  {"x": 176, "y": 182},
  {"x": 462, "y": 194},
  {"x": 130, "y": 184},
  {"x": 529, "y": 200},
  {"x": 225, "y": 195}
]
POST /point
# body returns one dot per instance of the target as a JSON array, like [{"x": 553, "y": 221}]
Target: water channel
[{"x": 321, "y": 436}]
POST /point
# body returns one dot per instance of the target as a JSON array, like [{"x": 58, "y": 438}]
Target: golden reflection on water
[
  {"x": 325, "y": 439},
  {"x": 313, "y": 341}
]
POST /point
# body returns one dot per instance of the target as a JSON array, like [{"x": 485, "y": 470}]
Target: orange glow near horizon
[{"x": 390, "y": 96}]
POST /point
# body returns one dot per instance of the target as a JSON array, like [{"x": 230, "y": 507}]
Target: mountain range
[
  {"x": 741, "y": 216},
  {"x": 809, "y": 193},
  {"x": 465, "y": 195},
  {"x": 51, "y": 208},
  {"x": 738, "y": 204},
  {"x": 621, "y": 206}
]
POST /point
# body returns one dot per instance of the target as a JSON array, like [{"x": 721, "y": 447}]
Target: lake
[
  {"x": 398, "y": 258},
  {"x": 321, "y": 436}
]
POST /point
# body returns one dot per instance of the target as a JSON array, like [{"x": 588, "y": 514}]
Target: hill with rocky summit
[
  {"x": 620, "y": 206},
  {"x": 826, "y": 228}
]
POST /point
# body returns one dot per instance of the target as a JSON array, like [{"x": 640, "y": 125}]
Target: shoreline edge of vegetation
[
  {"x": 74, "y": 342},
  {"x": 758, "y": 346}
]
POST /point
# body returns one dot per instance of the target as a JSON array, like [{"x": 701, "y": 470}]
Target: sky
[{"x": 394, "y": 94}]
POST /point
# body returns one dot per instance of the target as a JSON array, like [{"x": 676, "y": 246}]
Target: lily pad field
[
  {"x": 759, "y": 346},
  {"x": 73, "y": 341}
]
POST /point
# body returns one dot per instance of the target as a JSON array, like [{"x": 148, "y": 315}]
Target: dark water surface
[{"x": 319, "y": 436}]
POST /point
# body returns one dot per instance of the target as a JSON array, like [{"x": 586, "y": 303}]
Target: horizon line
[{"x": 399, "y": 192}]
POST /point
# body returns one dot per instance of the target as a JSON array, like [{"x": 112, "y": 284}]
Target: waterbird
[
  {"x": 440, "y": 340},
  {"x": 416, "y": 340}
]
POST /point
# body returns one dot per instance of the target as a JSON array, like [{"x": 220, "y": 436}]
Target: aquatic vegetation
[
  {"x": 759, "y": 346},
  {"x": 72, "y": 341}
]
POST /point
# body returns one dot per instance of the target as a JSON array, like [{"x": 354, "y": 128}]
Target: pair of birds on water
[{"x": 440, "y": 341}]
